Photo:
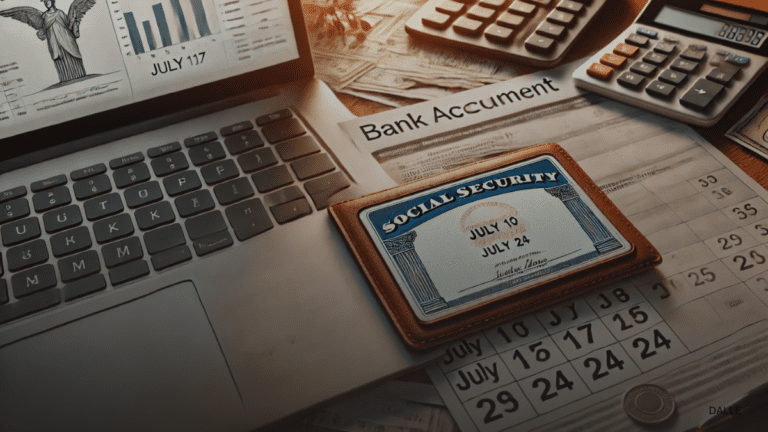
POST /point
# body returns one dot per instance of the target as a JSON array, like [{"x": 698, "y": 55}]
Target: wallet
[{"x": 461, "y": 251}]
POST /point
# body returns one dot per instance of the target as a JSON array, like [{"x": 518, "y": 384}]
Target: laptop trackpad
[{"x": 151, "y": 364}]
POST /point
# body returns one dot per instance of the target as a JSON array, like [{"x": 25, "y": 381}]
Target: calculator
[
  {"x": 532, "y": 32},
  {"x": 685, "y": 59}
]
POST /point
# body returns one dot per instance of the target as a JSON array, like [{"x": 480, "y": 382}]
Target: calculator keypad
[{"x": 536, "y": 32}]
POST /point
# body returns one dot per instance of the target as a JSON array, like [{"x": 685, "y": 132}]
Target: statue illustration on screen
[{"x": 60, "y": 30}]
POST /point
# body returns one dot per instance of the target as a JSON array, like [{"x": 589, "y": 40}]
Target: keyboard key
[
  {"x": 169, "y": 164},
  {"x": 321, "y": 189},
  {"x": 560, "y": 17},
  {"x": 600, "y": 71},
  {"x": 113, "y": 228},
  {"x": 212, "y": 243},
  {"x": 571, "y": 7},
  {"x": 642, "y": 68},
  {"x": 154, "y": 215},
  {"x": 79, "y": 266},
  {"x": 248, "y": 218},
  {"x": 83, "y": 287},
  {"x": 121, "y": 252},
  {"x": 275, "y": 116},
  {"x": 33, "y": 280},
  {"x": 183, "y": 182},
  {"x": 144, "y": 194},
  {"x": 220, "y": 171},
  {"x": 498, "y": 34},
  {"x": 63, "y": 218},
  {"x": 91, "y": 187},
  {"x": 90, "y": 171},
  {"x": 236, "y": 128},
  {"x": 636, "y": 40},
  {"x": 256, "y": 160},
  {"x": 290, "y": 211},
  {"x": 630, "y": 80},
  {"x": 3, "y": 292},
  {"x": 201, "y": 139},
  {"x": 234, "y": 190},
  {"x": 625, "y": 50},
  {"x": 672, "y": 77},
  {"x": 282, "y": 130},
  {"x": 521, "y": 8},
  {"x": 27, "y": 255},
  {"x": 241, "y": 142},
  {"x": 551, "y": 30},
  {"x": 492, "y": 4},
  {"x": 282, "y": 196},
  {"x": 69, "y": 242},
  {"x": 665, "y": 48},
  {"x": 272, "y": 178},
  {"x": 20, "y": 231},
  {"x": 544, "y": 3},
  {"x": 453, "y": 8},
  {"x": 720, "y": 76},
  {"x": 613, "y": 60},
  {"x": 205, "y": 224},
  {"x": 29, "y": 305},
  {"x": 204, "y": 154},
  {"x": 194, "y": 203},
  {"x": 164, "y": 149},
  {"x": 41, "y": 185},
  {"x": 312, "y": 166},
  {"x": 539, "y": 44},
  {"x": 13, "y": 210},
  {"x": 50, "y": 199},
  {"x": 128, "y": 272},
  {"x": 659, "y": 89},
  {"x": 171, "y": 257},
  {"x": 297, "y": 148},
  {"x": 14, "y": 193},
  {"x": 685, "y": 66},
  {"x": 480, "y": 13},
  {"x": 126, "y": 160},
  {"x": 164, "y": 238},
  {"x": 107, "y": 205},
  {"x": 510, "y": 20},
  {"x": 131, "y": 175},
  {"x": 654, "y": 58},
  {"x": 701, "y": 94},
  {"x": 467, "y": 26}
]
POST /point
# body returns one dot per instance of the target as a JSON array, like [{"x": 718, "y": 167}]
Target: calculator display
[{"x": 707, "y": 26}]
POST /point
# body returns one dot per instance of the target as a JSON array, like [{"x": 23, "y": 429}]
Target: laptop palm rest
[{"x": 150, "y": 364}]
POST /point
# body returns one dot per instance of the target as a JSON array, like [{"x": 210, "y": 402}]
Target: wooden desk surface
[{"x": 617, "y": 16}]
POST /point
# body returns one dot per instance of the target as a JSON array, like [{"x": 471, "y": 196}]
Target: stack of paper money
[{"x": 752, "y": 130}]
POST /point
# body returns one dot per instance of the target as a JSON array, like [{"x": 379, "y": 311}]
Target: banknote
[
  {"x": 470, "y": 241},
  {"x": 752, "y": 130}
]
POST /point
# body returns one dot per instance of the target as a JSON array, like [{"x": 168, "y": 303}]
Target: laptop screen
[{"x": 64, "y": 60}]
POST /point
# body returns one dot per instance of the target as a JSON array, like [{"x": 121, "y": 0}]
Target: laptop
[{"x": 167, "y": 259}]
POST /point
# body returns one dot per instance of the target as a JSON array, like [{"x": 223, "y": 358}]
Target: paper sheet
[{"x": 566, "y": 367}]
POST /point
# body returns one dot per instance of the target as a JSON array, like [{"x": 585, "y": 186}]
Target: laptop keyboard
[{"x": 157, "y": 209}]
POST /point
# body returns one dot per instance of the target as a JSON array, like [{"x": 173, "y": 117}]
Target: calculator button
[
  {"x": 570, "y": 6},
  {"x": 522, "y": 8},
  {"x": 701, "y": 94},
  {"x": 625, "y": 50},
  {"x": 599, "y": 71},
  {"x": 720, "y": 57},
  {"x": 498, "y": 34},
  {"x": 636, "y": 40},
  {"x": 481, "y": 13},
  {"x": 551, "y": 30},
  {"x": 613, "y": 60},
  {"x": 659, "y": 89},
  {"x": 672, "y": 77},
  {"x": 544, "y": 3},
  {"x": 738, "y": 60},
  {"x": 436, "y": 20},
  {"x": 665, "y": 47},
  {"x": 647, "y": 32},
  {"x": 493, "y": 4},
  {"x": 681, "y": 65},
  {"x": 654, "y": 58},
  {"x": 643, "y": 68},
  {"x": 630, "y": 80},
  {"x": 720, "y": 76},
  {"x": 540, "y": 44},
  {"x": 467, "y": 26},
  {"x": 671, "y": 39},
  {"x": 510, "y": 20},
  {"x": 694, "y": 54},
  {"x": 560, "y": 17},
  {"x": 451, "y": 8}
]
